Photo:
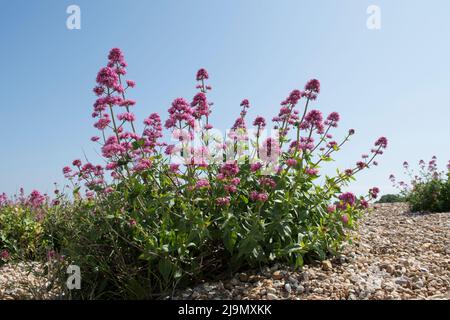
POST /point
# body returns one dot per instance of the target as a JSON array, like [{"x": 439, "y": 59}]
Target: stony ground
[
  {"x": 397, "y": 255},
  {"x": 28, "y": 280}
]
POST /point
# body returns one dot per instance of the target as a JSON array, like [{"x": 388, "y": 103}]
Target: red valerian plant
[
  {"x": 162, "y": 212},
  {"x": 428, "y": 189}
]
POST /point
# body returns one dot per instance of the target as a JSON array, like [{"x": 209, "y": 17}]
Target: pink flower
[
  {"x": 52, "y": 254},
  {"x": 239, "y": 124},
  {"x": 142, "y": 165},
  {"x": 36, "y": 199},
  {"x": 305, "y": 143},
  {"x": 263, "y": 196},
  {"x": 245, "y": 103},
  {"x": 313, "y": 85},
  {"x": 225, "y": 201},
  {"x": 312, "y": 88},
  {"x": 293, "y": 98},
  {"x": 364, "y": 204},
  {"x": 107, "y": 77},
  {"x": 346, "y": 198},
  {"x": 201, "y": 105},
  {"x": 126, "y": 103},
  {"x": 311, "y": 171},
  {"x": 255, "y": 166},
  {"x": 202, "y": 74},
  {"x": 254, "y": 195},
  {"x": 361, "y": 165},
  {"x": 179, "y": 111},
  {"x": 374, "y": 192},
  {"x": 345, "y": 219},
  {"x": 66, "y": 170},
  {"x": 230, "y": 188},
  {"x": 291, "y": 162},
  {"x": 119, "y": 87},
  {"x": 235, "y": 181},
  {"x": 131, "y": 83},
  {"x": 332, "y": 119},
  {"x": 259, "y": 122},
  {"x": 3, "y": 199},
  {"x": 112, "y": 147},
  {"x": 170, "y": 149},
  {"x": 102, "y": 123},
  {"x": 331, "y": 208},
  {"x": 111, "y": 166},
  {"x": 4, "y": 254},
  {"x": 381, "y": 142},
  {"x": 174, "y": 167},
  {"x": 202, "y": 183},
  {"x": 108, "y": 190},
  {"x": 98, "y": 90},
  {"x": 229, "y": 169},
  {"x": 116, "y": 55},
  {"x": 76, "y": 163},
  {"x": 267, "y": 182},
  {"x": 314, "y": 120},
  {"x": 154, "y": 130},
  {"x": 127, "y": 116}
]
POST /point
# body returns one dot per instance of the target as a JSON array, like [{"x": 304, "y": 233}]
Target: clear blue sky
[{"x": 393, "y": 82}]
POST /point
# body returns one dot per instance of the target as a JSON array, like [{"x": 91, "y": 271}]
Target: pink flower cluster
[
  {"x": 128, "y": 152},
  {"x": 229, "y": 169},
  {"x": 4, "y": 254},
  {"x": 374, "y": 192},
  {"x": 346, "y": 199},
  {"x": 259, "y": 196},
  {"x": 180, "y": 112},
  {"x": 37, "y": 199},
  {"x": 3, "y": 199}
]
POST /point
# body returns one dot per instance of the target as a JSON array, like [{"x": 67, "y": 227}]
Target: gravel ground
[
  {"x": 396, "y": 255},
  {"x": 26, "y": 280}
]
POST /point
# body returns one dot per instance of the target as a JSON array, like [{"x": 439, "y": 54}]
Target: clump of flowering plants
[
  {"x": 160, "y": 212},
  {"x": 22, "y": 231},
  {"x": 428, "y": 188}
]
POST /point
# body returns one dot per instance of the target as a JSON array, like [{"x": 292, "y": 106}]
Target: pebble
[
  {"x": 288, "y": 287},
  {"x": 277, "y": 275},
  {"x": 326, "y": 265}
]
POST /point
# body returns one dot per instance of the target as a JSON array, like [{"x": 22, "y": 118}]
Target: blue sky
[{"x": 394, "y": 81}]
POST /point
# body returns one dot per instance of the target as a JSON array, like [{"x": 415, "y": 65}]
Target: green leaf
[
  {"x": 299, "y": 261},
  {"x": 165, "y": 267}
]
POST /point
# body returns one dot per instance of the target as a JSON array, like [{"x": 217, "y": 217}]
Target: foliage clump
[{"x": 428, "y": 189}]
